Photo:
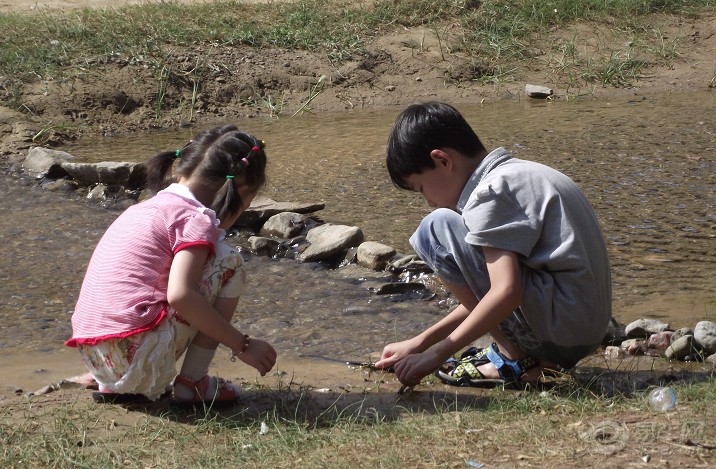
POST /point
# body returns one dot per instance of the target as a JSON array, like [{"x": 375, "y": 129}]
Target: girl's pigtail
[
  {"x": 159, "y": 169},
  {"x": 227, "y": 198}
]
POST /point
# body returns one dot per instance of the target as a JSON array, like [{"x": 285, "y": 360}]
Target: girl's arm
[{"x": 183, "y": 295}]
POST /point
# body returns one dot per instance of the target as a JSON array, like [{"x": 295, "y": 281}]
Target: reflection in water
[{"x": 647, "y": 166}]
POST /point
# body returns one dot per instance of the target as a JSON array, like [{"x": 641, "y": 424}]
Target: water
[{"x": 647, "y": 166}]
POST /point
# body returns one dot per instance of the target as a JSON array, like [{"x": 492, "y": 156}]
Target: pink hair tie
[
  {"x": 245, "y": 161},
  {"x": 256, "y": 149}
]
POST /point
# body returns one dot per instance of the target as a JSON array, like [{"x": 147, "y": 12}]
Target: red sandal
[{"x": 226, "y": 394}]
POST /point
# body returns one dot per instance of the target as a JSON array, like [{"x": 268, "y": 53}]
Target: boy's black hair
[
  {"x": 219, "y": 156},
  {"x": 422, "y": 128}
]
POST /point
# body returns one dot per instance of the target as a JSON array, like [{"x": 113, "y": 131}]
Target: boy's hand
[
  {"x": 393, "y": 353},
  {"x": 413, "y": 368},
  {"x": 260, "y": 354}
]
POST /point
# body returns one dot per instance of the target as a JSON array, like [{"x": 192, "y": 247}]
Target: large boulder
[{"x": 705, "y": 336}]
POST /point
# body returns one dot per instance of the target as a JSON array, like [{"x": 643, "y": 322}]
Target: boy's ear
[{"x": 441, "y": 158}]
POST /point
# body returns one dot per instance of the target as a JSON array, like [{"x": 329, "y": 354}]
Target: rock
[
  {"x": 284, "y": 225},
  {"x": 711, "y": 359},
  {"x": 409, "y": 263},
  {"x": 637, "y": 348},
  {"x": 413, "y": 289},
  {"x": 614, "y": 352},
  {"x": 110, "y": 173},
  {"x": 263, "y": 208},
  {"x": 615, "y": 333},
  {"x": 45, "y": 162},
  {"x": 680, "y": 348},
  {"x": 98, "y": 192},
  {"x": 626, "y": 344},
  {"x": 705, "y": 336},
  {"x": 263, "y": 246},
  {"x": 374, "y": 255},
  {"x": 60, "y": 185},
  {"x": 538, "y": 92},
  {"x": 350, "y": 257},
  {"x": 329, "y": 240},
  {"x": 398, "y": 287},
  {"x": 679, "y": 333},
  {"x": 659, "y": 342},
  {"x": 643, "y": 328}
]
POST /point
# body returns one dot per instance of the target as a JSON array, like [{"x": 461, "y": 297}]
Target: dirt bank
[{"x": 399, "y": 67}]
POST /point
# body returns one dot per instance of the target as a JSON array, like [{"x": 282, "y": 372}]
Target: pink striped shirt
[{"x": 124, "y": 291}]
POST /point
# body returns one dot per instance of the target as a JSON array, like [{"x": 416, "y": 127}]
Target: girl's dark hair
[
  {"x": 216, "y": 156},
  {"x": 422, "y": 128}
]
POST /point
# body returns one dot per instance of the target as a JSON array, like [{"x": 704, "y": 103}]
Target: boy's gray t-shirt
[{"x": 543, "y": 216}]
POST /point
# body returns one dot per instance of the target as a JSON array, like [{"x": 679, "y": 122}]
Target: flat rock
[{"x": 263, "y": 208}]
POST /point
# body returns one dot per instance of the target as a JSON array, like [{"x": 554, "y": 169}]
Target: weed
[
  {"x": 266, "y": 101},
  {"x": 313, "y": 92}
]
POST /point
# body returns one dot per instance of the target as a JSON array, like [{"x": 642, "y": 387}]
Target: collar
[
  {"x": 182, "y": 191},
  {"x": 495, "y": 158}
]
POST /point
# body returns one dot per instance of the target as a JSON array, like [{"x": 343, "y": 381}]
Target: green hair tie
[
  {"x": 177, "y": 154},
  {"x": 229, "y": 177}
]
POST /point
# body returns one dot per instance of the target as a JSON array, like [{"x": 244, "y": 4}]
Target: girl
[{"x": 162, "y": 282}]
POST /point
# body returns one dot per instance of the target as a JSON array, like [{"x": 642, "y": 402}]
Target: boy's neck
[{"x": 472, "y": 163}]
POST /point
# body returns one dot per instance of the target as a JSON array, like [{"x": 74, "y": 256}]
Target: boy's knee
[
  {"x": 441, "y": 218},
  {"x": 435, "y": 230}
]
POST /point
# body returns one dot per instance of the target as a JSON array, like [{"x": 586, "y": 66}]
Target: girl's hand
[
  {"x": 259, "y": 354},
  {"x": 393, "y": 353},
  {"x": 413, "y": 368}
]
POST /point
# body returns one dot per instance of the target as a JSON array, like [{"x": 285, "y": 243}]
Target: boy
[{"x": 515, "y": 242}]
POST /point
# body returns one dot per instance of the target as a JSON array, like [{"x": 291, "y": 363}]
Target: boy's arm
[
  {"x": 504, "y": 296},
  {"x": 394, "y": 352},
  {"x": 441, "y": 329}
]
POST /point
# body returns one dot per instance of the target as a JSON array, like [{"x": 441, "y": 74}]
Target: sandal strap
[
  {"x": 509, "y": 370},
  {"x": 224, "y": 391},
  {"x": 466, "y": 370}
]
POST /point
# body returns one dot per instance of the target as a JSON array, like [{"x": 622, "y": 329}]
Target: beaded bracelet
[{"x": 244, "y": 348}]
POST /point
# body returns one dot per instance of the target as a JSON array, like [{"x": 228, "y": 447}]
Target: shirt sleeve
[
  {"x": 495, "y": 219},
  {"x": 196, "y": 229}
]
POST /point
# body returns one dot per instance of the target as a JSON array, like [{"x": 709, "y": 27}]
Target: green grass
[
  {"x": 498, "y": 35},
  {"x": 446, "y": 430}
]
